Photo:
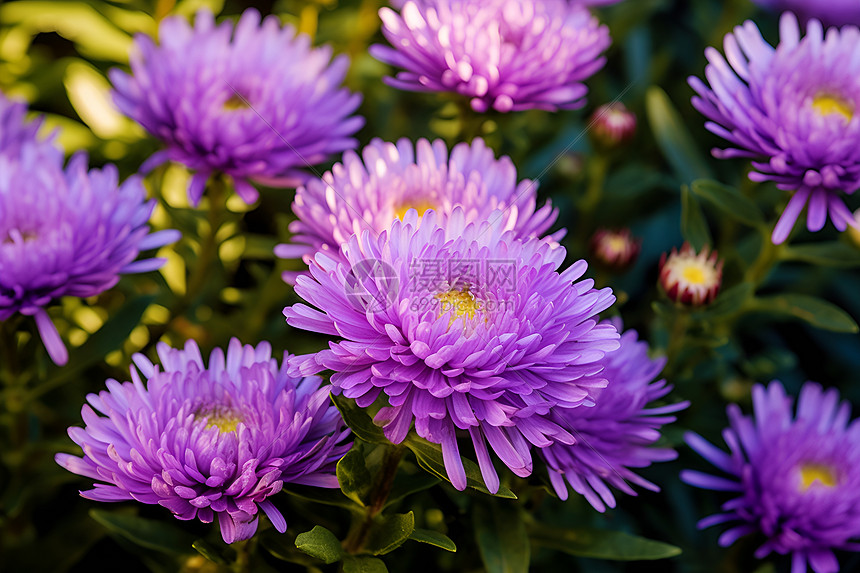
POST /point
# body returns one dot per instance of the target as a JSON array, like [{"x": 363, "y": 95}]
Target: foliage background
[{"x": 222, "y": 280}]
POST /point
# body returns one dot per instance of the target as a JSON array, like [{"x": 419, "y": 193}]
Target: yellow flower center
[
  {"x": 221, "y": 417},
  {"x": 694, "y": 275},
  {"x": 811, "y": 473},
  {"x": 421, "y": 206},
  {"x": 826, "y": 104},
  {"x": 616, "y": 244},
  {"x": 15, "y": 236},
  {"x": 235, "y": 102},
  {"x": 462, "y": 302}
]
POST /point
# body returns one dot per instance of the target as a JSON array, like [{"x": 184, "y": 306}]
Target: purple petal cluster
[
  {"x": 795, "y": 476},
  {"x": 792, "y": 110},
  {"x": 371, "y": 191},
  {"x": 64, "y": 232},
  {"x": 256, "y": 102},
  {"x": 830, "y": 13},
  {"x": 506, "y": 55},
  {"x": 459, "y": 326},
  {"x": 209, "y": 441},
  {"x": 617, "y": 433}
]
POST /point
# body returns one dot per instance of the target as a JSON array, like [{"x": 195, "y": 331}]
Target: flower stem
[
  {"x": 598, "y": 169},
  {"x": 768, "y": 256},
  {"x": 677, "y": 337},
  {"x": 217, "y": 193}
]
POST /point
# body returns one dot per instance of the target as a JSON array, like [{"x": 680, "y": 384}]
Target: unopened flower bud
[
  {"x": 612, "y": 125},
  {"x": 616, "y": 249},
  {"x": 691, "y": 278}
]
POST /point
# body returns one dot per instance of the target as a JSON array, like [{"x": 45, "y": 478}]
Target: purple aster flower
[
  {"x": 796, "y": 477},
  {"x": 831, "y": 12},
  {"x": 460, "y": 326},
  {"x": 66, "y": 232},
  {"x": 256, "y": 103},
  {"x": 205, "y": 441},
  {"x": 616, "y": 433},
  {"x": 508, "y": 55},
  {"x": 15, "y": 131},
  {"x": 394, "y": 178},
  {"x": 800, "y": 129}
]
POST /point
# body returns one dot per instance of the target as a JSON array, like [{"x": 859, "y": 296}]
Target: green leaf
[
  {"x": 429, "y": 457},
  {"x": 433, "y": 538},
  {"x": 325, "y": 496},
  {"x": 321, "y": 543},
  {"x": 209, "y": 551},
  {"x": 364, "y": 565},
  {"x": 390, "y": 533},
  {"x": 502, "y": 539},
  {"x": 730, "y": 300},
  {"x": 157, "y": 535},
  {"x": 672, "y": 137},
  {"x": 694, "y": 227},
  {"x": 359, "y": 421},
  {"x": 833, "y": 254},
  {"x": 815, "y": 311},
  {"x": 353, "y": 475},
  {"x": 601, "y": 544},
  {"x": 729, "y": 200},
  {"x": 406, "y": 484}
]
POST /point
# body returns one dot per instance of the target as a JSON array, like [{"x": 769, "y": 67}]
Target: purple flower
[
  {"x": 15, "y": 131},
  {"x": 796, "y": 477},
  {"x": 616, "y": 433},
  {"x": 255, "y": 103},
  {"x": 800, "y": 129},
  {"x": 508, "y": 55},
  {"x": 460, "y": 326},
  {"x": 209, "y": 441},
  {"x": 65, "y": 232},
  {"x": 831, "y": 12},
  {"x": 394, "y": 178}
]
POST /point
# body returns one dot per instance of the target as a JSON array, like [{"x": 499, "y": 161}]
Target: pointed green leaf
[
  {"x": 600, "y": 544},
  {"x": 359, "y": 421},
  {"x": 694, "y": 227},
  {"x": 730, "y": 300},
  {"x": 730, "y": 201},
  {"x": 320, "y": 495},
  {"x": 429, "y": 457},
  {"x": 433, "y": 538},
  {"x": 353, "y": 475},
  {"x": 815, "y": 311},
  {"x": 502, "y": 539},
  {"x": 209, "y": 551},
  {"x": 321, "y": 543},
  {"x": 390, "y": 533},
  {"x": 149, "y": 533},
  {"x": 364, "y": 565},
  {"x": 406, "y": 484},
  {"x": 833, "y": 254},
  {"x": 672, "y": 137}
]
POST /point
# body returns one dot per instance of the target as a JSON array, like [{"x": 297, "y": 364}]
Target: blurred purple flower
[
  {"x": 462, "y": 326},
  {"x": 256, "y": 103},
  {"x": 796, "y": 478},
  {"x": 830, "y": 12},
  {"x": 616, "y": 433},
  {"x": 507, "y": 55},
  {"x": 63, "y": 232},
  {"x": 209, "y": 441},
  {"x": 371, "y": 191},
  {"x": 800, "y": 129}
]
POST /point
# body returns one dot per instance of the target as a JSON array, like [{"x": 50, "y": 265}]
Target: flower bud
[
  {"x": 615, "y": 249},
  {"x": 612, "y": 125},
  {"x": 690, "y": 278}
]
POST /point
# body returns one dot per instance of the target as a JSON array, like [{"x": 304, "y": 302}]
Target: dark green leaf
[
  {"x": 359, "y": 421},
  {"x": 321, "y": 543},
  {"x": 364, "y": 565},
  {"x": 730, "y": 300},
  {"x": 673, "y": 138},
  {"x": 353, "y": 475},
  {"x": 694, "y": 228},
  {"x": 390, "y": 533},
  {"x": 406, "y": 484},
  {"x": 156, "y": 535},
  {"x": 320, "y": 495},
  {"x": 433, "y": 538},
  {"x": 209, "y": 551},
  {"x": 834, "y": 254},
  {"x": 815, "y": 311},
  {"x": 729, "y": 200},
  {"x": 600, "y": 544},
  {"x": 502, "y": 539},
  {"x": 429, "y": 457}
]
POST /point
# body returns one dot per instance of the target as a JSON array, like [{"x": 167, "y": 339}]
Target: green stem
[
  {"x": 360, "y": 528},
  {"x": 598, "y": 169},
  {"x": 676, "y": 340},
  {"x": 471, "y": 122},
  {"x": 209, "y": 246},
  {"x": 244, "y": 552},
  {"x": 768, "y": 256}
]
